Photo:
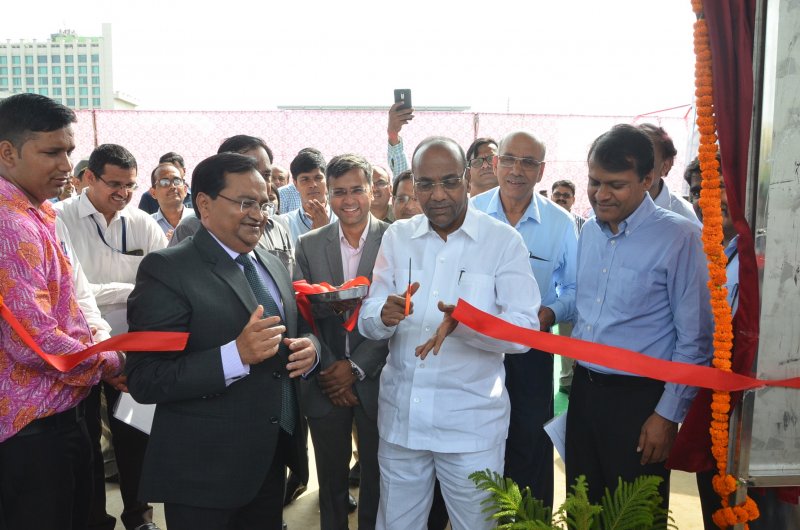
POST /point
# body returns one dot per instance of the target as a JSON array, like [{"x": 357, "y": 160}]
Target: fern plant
[{"x": 633, "y": 506}]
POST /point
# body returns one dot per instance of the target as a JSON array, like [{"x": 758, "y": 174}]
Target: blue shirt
[
  {"x": 299, "y": 223},
  {"x": 645, "y": 289},
  {"x": 552, "y": 241},
  {"x": 397, "y": 158},
  {"x": 289, "y": 197},
  {"x": 732, "y": 273}
]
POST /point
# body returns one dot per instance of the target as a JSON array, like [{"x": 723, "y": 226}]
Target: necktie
[{"x": 288, "y": 417}]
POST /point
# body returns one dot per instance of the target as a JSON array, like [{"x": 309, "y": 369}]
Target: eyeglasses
[
  {"x": 380, "y": 184},
  {"x": 427, "y": 186},
  {"x": 559, "y": 195},
  {"x": 476, "y": 163},
  {"x": 341, "y": 193},
  {"x": 166, "y": 182},
  {"x": 402, "y": 200},
  {"x": 116, "y": 186},
  {"x": 528, "y": 164},
  {"x": 266, "y": 209}
]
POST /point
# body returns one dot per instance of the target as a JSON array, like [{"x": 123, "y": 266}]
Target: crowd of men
[{"x": 424, "y": 400}]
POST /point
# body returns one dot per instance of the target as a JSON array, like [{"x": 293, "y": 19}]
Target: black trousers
[
  {"x": 529, "y": 451},
  {"x": 263, "y": 512},
  {"x": 604, "y": 422},
  {"x": 129, "y": 445},
  {"x": 45, "y": 477}
]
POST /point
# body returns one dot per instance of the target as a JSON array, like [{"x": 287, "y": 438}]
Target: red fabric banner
[
  {"x": 134, "y": 341},
  {"x": 303, "y": 289},
  {"x": 612, "y": 357}
]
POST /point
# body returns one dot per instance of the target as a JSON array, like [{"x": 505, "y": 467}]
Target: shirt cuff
[
  {"x": 313, "y": 367},
  {"x": 672, "y": 407},
  {"x": 232, "y": 366}
]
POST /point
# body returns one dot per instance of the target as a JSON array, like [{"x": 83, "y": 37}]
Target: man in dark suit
[
  {"x": 227, "y": 421},
  {"x": 346, "y": 389}
]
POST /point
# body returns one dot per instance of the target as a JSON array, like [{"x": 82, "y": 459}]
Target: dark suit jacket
[
  {"x": 210, "y": 445},
  {"x": 319, "y": 259}
]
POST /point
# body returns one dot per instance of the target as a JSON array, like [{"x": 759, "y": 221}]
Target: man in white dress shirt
[
  {"x": 110, "y": 238},
  {"x": 443, "y": 408}
]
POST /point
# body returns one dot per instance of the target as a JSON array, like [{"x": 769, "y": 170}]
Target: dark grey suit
[
  {"x": 211, "y": 445},
  {"x": 319, "y": 259}
]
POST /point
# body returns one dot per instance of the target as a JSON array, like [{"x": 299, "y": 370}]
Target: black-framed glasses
[
  {"x": 167, "y": 182},
  {"x": 116, "y": 186},
  {"x": 266, "y": 209},
  {"x": 477, "y": 162},
  {"x": 559, "y": 195},
  {"x": 527, "y": 163},
  {"x": 402, "y": 200},
  {"x": 449, "y": 184},
  {"x": 341, "y": 193}
]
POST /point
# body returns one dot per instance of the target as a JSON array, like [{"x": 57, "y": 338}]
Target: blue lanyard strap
[{"x": 103, "y": 239}]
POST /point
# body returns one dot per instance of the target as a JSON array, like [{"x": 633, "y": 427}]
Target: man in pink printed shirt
[{"x": 44, "y": 448}]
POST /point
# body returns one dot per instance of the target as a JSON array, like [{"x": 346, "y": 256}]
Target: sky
[{"x": 619, "y": 57}]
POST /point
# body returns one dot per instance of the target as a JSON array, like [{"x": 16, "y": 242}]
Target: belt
[
  {"x": 56, "y": 421},
  {"x": 600, "y": 379}
]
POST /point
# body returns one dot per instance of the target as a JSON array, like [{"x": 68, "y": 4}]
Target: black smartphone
[{"x": 403, "y": 95}]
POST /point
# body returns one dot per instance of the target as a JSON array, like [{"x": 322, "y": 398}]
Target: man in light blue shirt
[
  {"x": 308, "y": 173},
  {"x": 551, "y": 241},
  {"x": 641, "y": 286}
]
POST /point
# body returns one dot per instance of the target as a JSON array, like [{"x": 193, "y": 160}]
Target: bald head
[
  {"x": 525, "y": 136},
  {"x": 280, "y": 176},
  {"x": 440, "y": 143}
]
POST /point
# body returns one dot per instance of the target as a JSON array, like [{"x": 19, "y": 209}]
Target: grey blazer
[{"x": 318, "y": 259}]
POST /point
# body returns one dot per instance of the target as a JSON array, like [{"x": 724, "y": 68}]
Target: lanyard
[{"x": 103, "y": 239}]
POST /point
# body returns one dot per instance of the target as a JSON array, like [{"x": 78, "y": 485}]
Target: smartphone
[{"x": 403, "y": 95}]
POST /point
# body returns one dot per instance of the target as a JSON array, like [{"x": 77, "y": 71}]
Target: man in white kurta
[{"x": 443, "y": 415}]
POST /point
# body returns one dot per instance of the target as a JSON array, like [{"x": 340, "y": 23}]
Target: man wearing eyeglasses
[
  {"x": 346, "y": 389},
  {"x": 480, "y": 157},
  {"x": 404, "y": 201},
  {"x": 227, "y": 420},
  {"x": 441, "y": 409},
  {"x": 381, "y": 186},
  {"x": 169, "y": 189},
  {"x": 110, "y": 238},
  {"x": 552, "y": 243}
]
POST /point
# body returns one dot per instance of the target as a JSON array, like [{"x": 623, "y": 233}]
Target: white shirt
[
  {"x": 111, "y": 274},
  {"x": 675, "y": 203},
  {"x": 455, "y": 401}
]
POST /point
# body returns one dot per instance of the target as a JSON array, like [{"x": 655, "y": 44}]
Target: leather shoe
[
  {"x": 147, "y": 526},
  {"x": 294, "y": 488},
  {"x": 352, "y": 503},
  {"x": 355, "y": 475}
]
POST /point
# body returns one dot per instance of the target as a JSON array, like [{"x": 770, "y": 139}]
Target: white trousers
[{"x": 407, "y": 477}]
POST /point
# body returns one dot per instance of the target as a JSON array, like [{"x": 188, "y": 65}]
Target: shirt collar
[
  {"x": 232, "y": 253},
  {"x": 495, "y": 207},
  {"x": 45, "y": 211},
  {"x": 86, "y": 208},
  {"x": 634, "y": 220},
  {"x": 733, "y": 245},
  {"x": 470, "y": 226},
  {"x": 361, "y": 239}
]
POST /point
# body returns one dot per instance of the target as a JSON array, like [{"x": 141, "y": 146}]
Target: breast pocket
[
  {"x": 477, "y": 289},
  {"x": 630, "y": 290}
]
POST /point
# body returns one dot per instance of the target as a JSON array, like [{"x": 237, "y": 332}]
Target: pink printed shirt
[{"x": 36, "y": 285}]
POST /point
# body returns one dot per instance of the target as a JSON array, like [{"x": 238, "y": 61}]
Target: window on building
[
  {"x": 41, "y": 59},
  {"x": 84, "y": 102},
  {"x": 95, "y": 79},
  {"x": 69, "y": 69},
  {"x": 70, "y": 90},
  {"x": 17, "y": 81},
  {"x": 16, "y": 70},
  {"x": 83, "y": 70},
  {"x": 43, "y": 80},
  {"x": 69, "y": 80},
  {"x": 55, "y": 59},
  {"x": 56, "y": 80},
  {"x": 44, "y": 92},
  {"x": 3, "y": 70},
  {"x": 16, "y": 91},
  {"x": 95, "y": 69},
  {"x": 29, "y": 81},
  {"x": 69, "y": 59},
  {"x": 95, "y": 90},
  {"x": 95, "y": 57},
  {"x": 56, "y": 91},
  {"x": 82, "y": 80},
  {"x": 70, "y": 102},
  {"x": 56, "y": 70},
  {"x": 3, "y": 59},
  {"x": 3, "y": 81},
  {"x": 42, "y": 70},
  {"x": 29, "y": 70},
  {"x": 82, "y": 58},
  {"x": 83, "y": 91},
  {"x": 29, "y": 59},
  {"x": 15, "y": 59},
  {"x": 95, "y": 102}
]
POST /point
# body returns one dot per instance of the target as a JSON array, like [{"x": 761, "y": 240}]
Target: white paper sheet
[
  {"x": 556, "y": 429},
  {"x": 134, "y": 413}
]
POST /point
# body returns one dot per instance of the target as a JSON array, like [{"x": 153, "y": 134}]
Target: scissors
[{"x": 408, "y": 290}]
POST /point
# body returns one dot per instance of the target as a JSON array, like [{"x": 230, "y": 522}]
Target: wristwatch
[{"x": 355, "y": 370}]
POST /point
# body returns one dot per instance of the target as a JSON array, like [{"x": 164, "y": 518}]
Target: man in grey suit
[
  {"x": 228, "y": 420},
  {"x": 346, "y": 389}
]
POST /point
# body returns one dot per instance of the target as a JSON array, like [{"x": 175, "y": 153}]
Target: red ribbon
[
  {"x": 613, "y": 357},
  {"x": 134, "y": 341},
  {"x": 303, "y": 289}
]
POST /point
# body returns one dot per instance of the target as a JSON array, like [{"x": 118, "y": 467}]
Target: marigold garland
[{"x": 710, "y": 196}]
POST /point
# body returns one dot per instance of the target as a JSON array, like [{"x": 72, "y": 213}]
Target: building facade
[{"x": 73, "y": 70}]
